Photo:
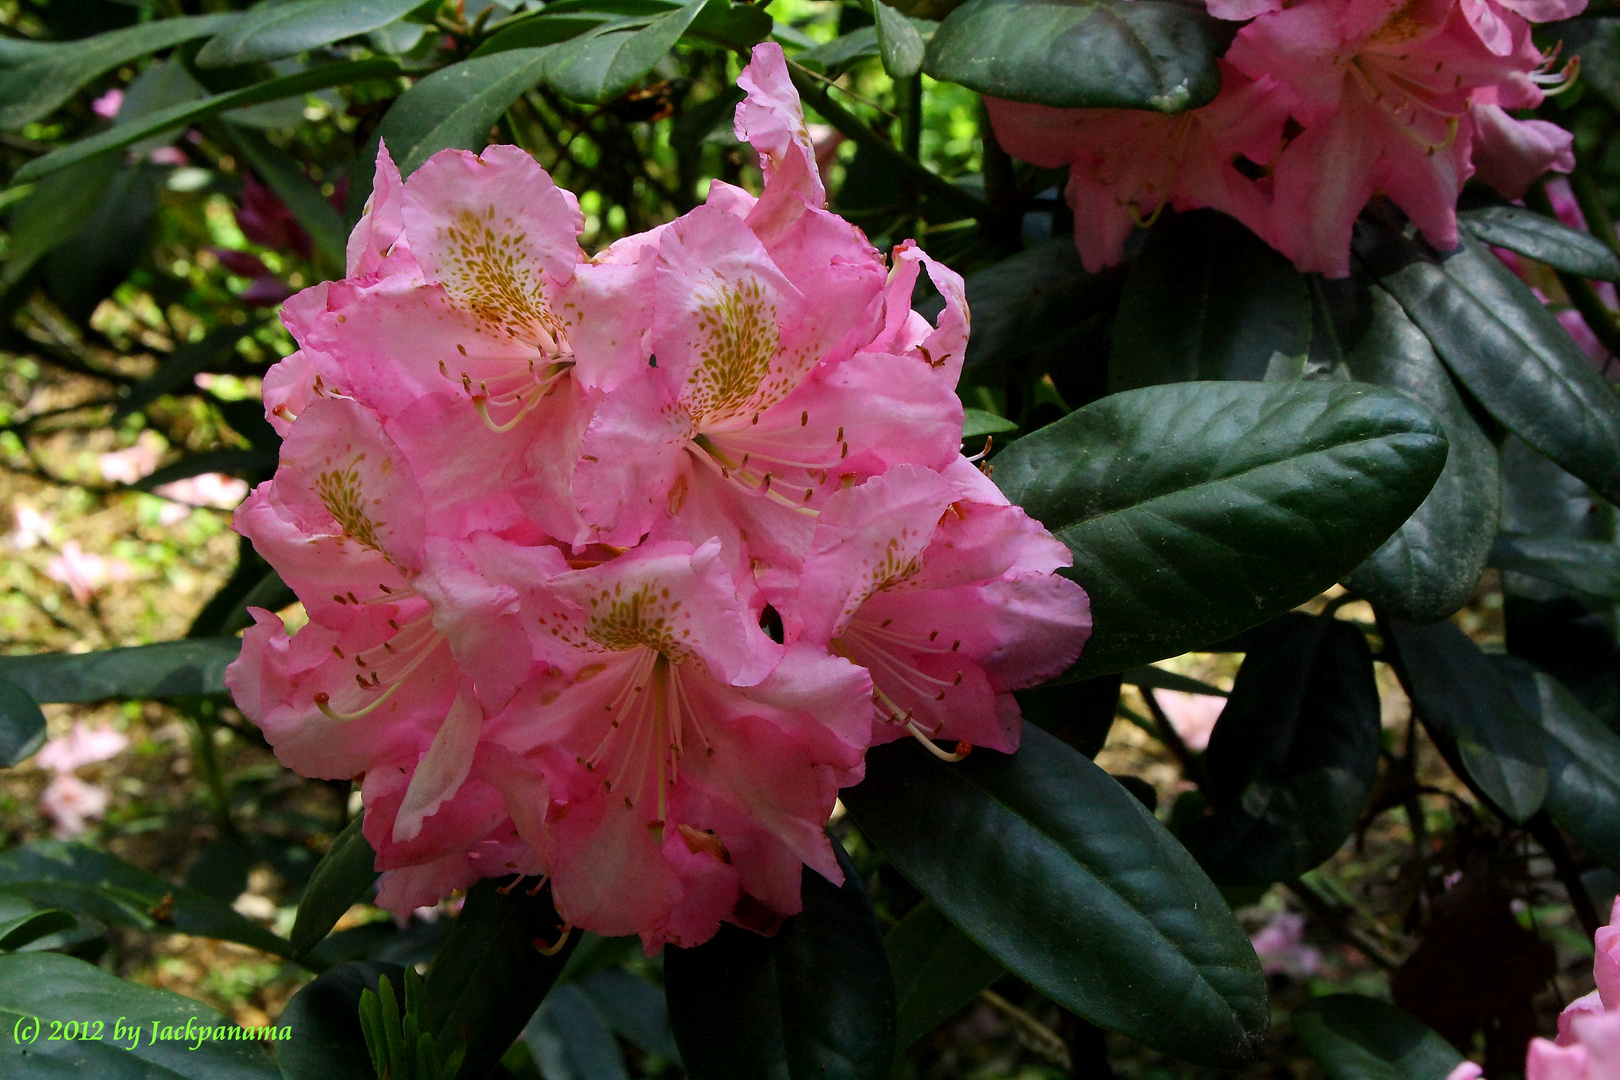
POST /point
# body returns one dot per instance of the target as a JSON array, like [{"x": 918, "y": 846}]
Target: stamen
[
  {"x": 557, "y": 947},
  {"x": 962, "y": 748}
]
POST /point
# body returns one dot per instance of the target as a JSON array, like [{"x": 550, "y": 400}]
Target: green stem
[
  {"x": 857, "y": 132},
  {"x": 207, "y": 758}
]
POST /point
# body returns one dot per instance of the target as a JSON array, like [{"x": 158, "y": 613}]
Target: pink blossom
[
  {"x": 107, "y": 105},
  {"x": 70, "y": 802},
  {"x": 947, "y": 595},
  {"x": 1280, "y": 944},
  {"x": 535, "y": 506},
  {"x": 1588, "y": 1043},
  {"x": 1192, "y": 715},
  {"x": 689, "y": 760},
  {"x": 1125, "y": 165},
  {"x": 85, "y": 572},
  {"x": 32, "y": 527},
  {"x": 83, "y": 745},
  {"x": 1384, "y": 94},
  {"x": 130, "y": 464},
  {"x": 215, "y": 490}
]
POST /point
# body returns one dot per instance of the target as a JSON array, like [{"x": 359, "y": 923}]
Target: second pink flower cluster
[
  {"x": 615, "y": 567},
  {"x": 1323, "y": 104}
]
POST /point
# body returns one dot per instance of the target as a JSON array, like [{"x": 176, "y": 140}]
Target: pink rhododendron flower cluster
[
  {"x": 616, "y": 566},
  {"x": 1588, "y": 1042},
  {"x": 1323, "y": 104}
]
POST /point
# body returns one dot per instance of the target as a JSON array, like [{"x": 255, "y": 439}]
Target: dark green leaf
[
  {"x": 1197, "y": 510},
  {"x": 1058, "y": 872},
  {"x": 1025, "y": 301},
  {"x": 1294, "y": 756},
  {"x": 341, "y": 880},
  {"x": 1081, "y": 713},
  {"x": 723, "y": 1005},
  {"x": 1128, "y": 54},
  {"x": 327, "y": 1042},
  {"x": 634, "y": 1008},
  {"x": 937, "y": 970},
  {"x": 54, "y": 987},
  {"x": 35, "y": 87},
  {"x": 122, "y": 135},
  {"x": 1543, "y": 239},
  {"x": 285, "y": 177},
  {"x": 54, "y": 212},
  {"x": 1206, "y": 299},
  {"x": 977, "y": 422},
  {"x": 222, "y": 867},
  {"x": 491, "y": 976},
  {"x": 84, "y": 880},
  {"x": 99, "y": 255},
  {"x": 272, "y": 31},
  {"x": 737, "y": 26},
  {"x": 1465, "y": 704},
  {"x": 571, "y": 1040},
  {"x": 1509, "y": 351},
  {"x": 1153, "y": 678},
  {"x": 1583, "y": 759},
  {"x": 603, "y": 64},
  {"x": 545, "y": 29},
  {"x": 899, "y": 43},
  {"x": 1361, "y": 1038},
  {"x": 816, "y": 1001},
  {"x": 27, "y": 929},
  {"x": 22, "y": 725},
  {"x": 833, "y": 983},
  {"x": 168, "y": 669},
  {"x": 1591, "y": 567},
  {"x": 1431, "y": 566},
  {"x": 843, "y": 52},
  {"x": 455, "y": 106},
  {"x": 1597, "y": 42}
]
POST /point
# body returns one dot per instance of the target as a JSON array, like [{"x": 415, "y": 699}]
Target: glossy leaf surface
[
  {"x": 54, "y": 987},
  {"x": 35, "y": 87},
  {"x": 86, "y": 881},
  {"x": 1294, "y": 756},
  {"x": 1465, "y": 704},
  {"x": 1062, "y": 875},
  {"x": 1583, "y": 759},
  {"x": 1207, "y": 299},
  {"x": 1510, "y": 352},
  {"x": 341, "y": 879},
  {"x": 455, "y": 106},
  {"x": 1432, "y": 564},
  {"x": 1127, "y": 54},
  {"x": 1361, "y": 1038},
  {"x": 1542, "y": 239},
  {"x": 1586, "y": 566},
  {"x": 937, "y": 970},
  {"x": 1197, "y": 510},
  {"x": 122, "y": 135},
  {"x": 272, "y": 31},
  {"x": 167, "y": 669},
  {"x": 815, "y": 1001},
  {"x": 22, "y": 725},
  {"x": 603, "y": 64},
  {"x": 490, "y": 975}
]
